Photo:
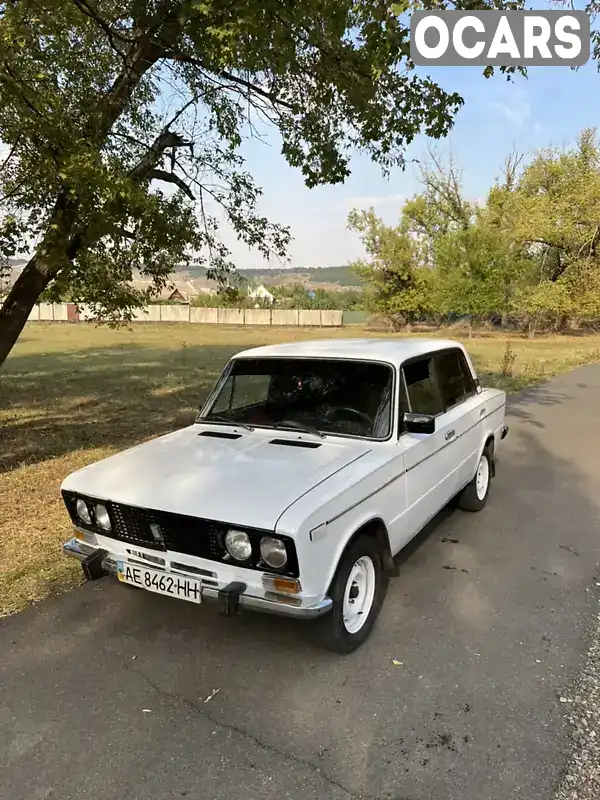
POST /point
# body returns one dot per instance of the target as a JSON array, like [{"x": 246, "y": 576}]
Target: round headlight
[
  {"x": 238, "y": 545},
  {"x": 83, "y": 511},
  {"x": 102, "y": 518},
  {"x": 273, "y": 552}
]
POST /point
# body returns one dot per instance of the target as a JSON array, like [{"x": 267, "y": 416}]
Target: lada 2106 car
[{"x": 309, "y": 467}]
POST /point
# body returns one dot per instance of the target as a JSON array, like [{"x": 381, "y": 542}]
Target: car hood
[{"x": 246, "y": 481}]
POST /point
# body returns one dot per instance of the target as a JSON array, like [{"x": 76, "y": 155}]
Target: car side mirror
[{"x": 419, "y": 423}]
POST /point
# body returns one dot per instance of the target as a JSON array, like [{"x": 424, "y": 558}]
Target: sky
[{"x": 548, "y": 108}]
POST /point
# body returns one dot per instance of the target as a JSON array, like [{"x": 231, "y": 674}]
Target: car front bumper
[{"x": 97, "y": 563}]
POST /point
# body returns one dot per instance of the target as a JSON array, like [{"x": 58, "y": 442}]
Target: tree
[
  {"x": 462, "y": 242},
  {"x": 123, "y": 119},
  {"x": 440, "y": 207},
  {"x": 557, "y": 207},
  {"x": 543, "y": 303},
  {"x": 554, "y": 212},
  {"x": 530, "y": 252},
  {"x": 461, "y": 256},
  {"x": 396, "y": 285},
  {"x": 476, "y": 268},
  {"x": 297, "y": 296}
]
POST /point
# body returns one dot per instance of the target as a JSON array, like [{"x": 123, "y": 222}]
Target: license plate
[{"x": 160, "y": 582}]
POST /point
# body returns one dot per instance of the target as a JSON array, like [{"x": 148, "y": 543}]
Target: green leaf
[
  {"x": 202, "y": 7},
  {"x": 400, "y": 8}
]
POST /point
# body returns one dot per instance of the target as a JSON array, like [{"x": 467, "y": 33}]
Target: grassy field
[{"x": 70, "y": 395}]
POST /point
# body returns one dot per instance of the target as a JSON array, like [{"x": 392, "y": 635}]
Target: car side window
[
  {"x": 421, "y": 386},
  {"x": 452, "y": 376}
]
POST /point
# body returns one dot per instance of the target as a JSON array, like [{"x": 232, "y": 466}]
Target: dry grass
[{"x": 70, "y": 395}]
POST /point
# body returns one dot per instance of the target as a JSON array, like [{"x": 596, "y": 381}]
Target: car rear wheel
[
  {"x": 357, "y": 590},
  {"x": 475, "y": 494}
]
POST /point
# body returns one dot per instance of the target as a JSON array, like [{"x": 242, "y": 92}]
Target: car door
[
  {"x": 462, "y": 409},
  {"x": 430, "y": 459}
]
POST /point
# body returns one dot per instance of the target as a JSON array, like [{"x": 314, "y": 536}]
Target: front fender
[{"x": 336, "y": 536}]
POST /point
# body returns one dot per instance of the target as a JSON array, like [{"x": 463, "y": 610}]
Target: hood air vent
[
  {"x": 296, "y": 443},
  {"x": 221, "y": 435}
]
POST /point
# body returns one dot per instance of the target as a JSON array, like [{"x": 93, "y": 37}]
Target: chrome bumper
[{"x": 97, "y": 563}]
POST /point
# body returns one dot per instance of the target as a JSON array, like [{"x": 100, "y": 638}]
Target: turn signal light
[
  {"x": 88, "y": 538},
  {"x": 281, "y": 585}
]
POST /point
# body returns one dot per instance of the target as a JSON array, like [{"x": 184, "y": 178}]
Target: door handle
[
  {"x": 482, "y": 412},
  {"x": 449, "y": 435}
]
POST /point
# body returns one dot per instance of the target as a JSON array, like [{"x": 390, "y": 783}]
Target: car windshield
[{"x": 351, "y": 398}]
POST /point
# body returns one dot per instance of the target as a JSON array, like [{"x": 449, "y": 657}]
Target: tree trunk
[
  {"x": 20, "y": 301},
  {"x": 56, "y": 250},
  {"x": 561, "y": 322}
]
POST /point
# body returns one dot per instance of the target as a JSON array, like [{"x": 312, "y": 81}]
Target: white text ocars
[{"x": 309, "y": 467}]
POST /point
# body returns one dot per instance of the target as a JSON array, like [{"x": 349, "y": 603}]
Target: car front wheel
[{"x": 357, "y": 590}]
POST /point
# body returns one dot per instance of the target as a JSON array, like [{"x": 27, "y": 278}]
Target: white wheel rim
[
  {"x": 482, "y": 478},
  {"x": 359, "y": 594}
]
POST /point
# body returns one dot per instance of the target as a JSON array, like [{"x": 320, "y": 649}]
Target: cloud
[
  {"x": 376, "y": 201},
  {"x": 517, "y": 113}
]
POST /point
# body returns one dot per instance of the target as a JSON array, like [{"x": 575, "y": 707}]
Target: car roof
[{"x": 392, "y": 351}]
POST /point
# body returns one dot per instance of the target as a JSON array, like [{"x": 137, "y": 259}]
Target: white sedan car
[{"x": 310, "y": 466}]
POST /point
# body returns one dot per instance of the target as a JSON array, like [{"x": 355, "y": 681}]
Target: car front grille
[{"x": 162, "y": 530}]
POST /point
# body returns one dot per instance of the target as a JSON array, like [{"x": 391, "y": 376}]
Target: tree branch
[
  {"x": 155, "y": 152},
  {"x": 171, "y": 177},
  {"x": 13, "y": 192},
  {"x": 92, "y": 14},
  {"x": 173, "y": 55},
  {"x": 20, "y": 84},
  {"x": 10, "y": 154}
]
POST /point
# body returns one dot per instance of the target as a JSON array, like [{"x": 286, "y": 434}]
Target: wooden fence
[{"x": 69, "y": 312}]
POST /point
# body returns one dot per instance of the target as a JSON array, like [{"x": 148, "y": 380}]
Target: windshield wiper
[
  {"x": 299, "y": 427},
  {"x": 216, "y": 418}
]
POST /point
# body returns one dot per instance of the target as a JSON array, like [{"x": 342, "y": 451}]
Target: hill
[{"x": 341, "y": 276}]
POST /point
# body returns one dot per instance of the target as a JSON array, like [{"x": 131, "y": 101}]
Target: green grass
[{"x": 72, "y": 394}]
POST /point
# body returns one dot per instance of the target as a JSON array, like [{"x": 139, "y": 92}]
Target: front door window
[{"x": 421, "y": 387}]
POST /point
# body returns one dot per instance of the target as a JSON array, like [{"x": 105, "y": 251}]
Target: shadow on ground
[
  {"x": 112, "y": 397},
  {"x": 522, "y": 404}
]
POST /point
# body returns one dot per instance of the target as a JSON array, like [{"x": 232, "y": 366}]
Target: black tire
[
  {"x": 330, "y": 630},
  {"x": 471, "y": 498}
]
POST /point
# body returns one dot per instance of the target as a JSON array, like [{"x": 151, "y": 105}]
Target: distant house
[
  {"x": 261, "y": 293},
  {"x": 179, "y": 292},
  {"x": 174, "y": 292}
]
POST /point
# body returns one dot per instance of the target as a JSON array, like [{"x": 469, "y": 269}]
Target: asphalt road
[{"x": 103, "y": 690}]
